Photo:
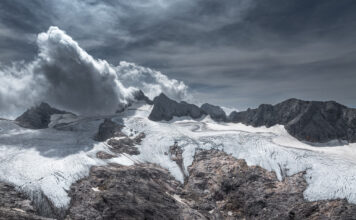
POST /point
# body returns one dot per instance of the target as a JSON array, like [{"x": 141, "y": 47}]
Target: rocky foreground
[
  {"x": 218, "y": 187},
  {"x": 15, "y": 205}
]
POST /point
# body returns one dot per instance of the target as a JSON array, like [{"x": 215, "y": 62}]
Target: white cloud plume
[
  {"x": 65, "y": 75},
  {"x": 151, "y": 82}
]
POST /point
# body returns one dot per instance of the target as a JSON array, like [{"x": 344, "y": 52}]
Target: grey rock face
[
  {"x": 108, "y": 129},
  {"x": 176, "y": 155},
  {"x": 226, "y": 188},
  {"x": 215, "y": 112},
  {"x": 165, "y": 109},
  {"x": 38, "y": 117},
  {"x": 128, "y": 192},
  {"x": 219, "y": 186},
  {"x": 140, "y": 96},
  {"x": 306, "y": 120},
  {"x": 123, "y": 145},
  {"x": 16, "y": 206}
]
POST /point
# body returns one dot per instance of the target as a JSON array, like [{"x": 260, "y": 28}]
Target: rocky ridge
[
  {"x": 165, "y": 109},
  {"x": 216, "y": 112},
  {"x": 38, "y": 117},
  {"x": 310, "y": 121},
  {"x": 219, "y": 186}
]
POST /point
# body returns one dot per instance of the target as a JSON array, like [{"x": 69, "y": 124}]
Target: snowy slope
[
  {"x": 50, "y": 160},
  {"x": 330, "y": 173}
]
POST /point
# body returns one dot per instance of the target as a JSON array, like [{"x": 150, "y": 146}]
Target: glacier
[{"x": 48, "y": 161}]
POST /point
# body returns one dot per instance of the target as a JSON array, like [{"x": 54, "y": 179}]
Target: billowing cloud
[
  {"x": 65, "y": 75},
  {"x": 151, "y": 82}
]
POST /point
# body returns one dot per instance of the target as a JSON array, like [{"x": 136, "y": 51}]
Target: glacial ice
[
  {"x": 50, "y": 160},
  {"x": 330, "y": 171}
]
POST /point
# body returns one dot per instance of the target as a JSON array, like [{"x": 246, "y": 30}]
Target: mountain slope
[
  {"x": 306, "y": 120},
  {"x": 45, "y": 163},
  {"x": 38, "y": 117}
]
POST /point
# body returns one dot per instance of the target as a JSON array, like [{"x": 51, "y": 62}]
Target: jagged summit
[
  {"x": 215, "y": 112},
  {"x": 38, "y": 117},
  {"x": 312, "y": 121},
  {"x": 140, "y": 96},
  {"x": 165, "y": 109}
]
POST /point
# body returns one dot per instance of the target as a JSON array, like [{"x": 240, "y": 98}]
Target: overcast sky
[{"x": 237, "y": 53}]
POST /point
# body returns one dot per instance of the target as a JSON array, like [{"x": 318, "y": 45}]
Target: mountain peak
[
  {"x": 165, "y": 109},
  {"x": 312, "y": 121},
  {"x": 38, "y": 117}
]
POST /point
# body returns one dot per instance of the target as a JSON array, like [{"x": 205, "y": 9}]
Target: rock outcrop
[
  {"x": 108, "y": 129},
  {"x": 219, "y": 186},
  {"x": 119, "y": 142},
  {"x": 123, "y": 145},
  {"x": 38, "y": 117},
  {"x": 215, "y": 112},
  {"x": 310, "y": 121},
  {"x": 15, "y": 205},
  {"x": 140, "y": 96},
  {"x": 176, "y": 154},
  {"x": 224, "y": 187},
  {"x": 142, "y": 191},
  {"x": 165, "y": 109}
]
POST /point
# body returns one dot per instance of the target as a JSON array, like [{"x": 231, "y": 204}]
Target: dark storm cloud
[{"x": 232, "y": 52}]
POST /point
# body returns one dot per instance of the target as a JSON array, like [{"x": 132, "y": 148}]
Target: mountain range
[{"x": 163, "y": 159}]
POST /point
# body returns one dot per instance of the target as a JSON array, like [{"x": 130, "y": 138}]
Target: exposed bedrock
[
  {"x": 118, "y": 141},
  {"x": 165, "y": 109},
  {"x": 142, "y": 191},
  {"x": 15, "y": 205},
  {"x": 38, "y": 117},
  {"x": 126, "y": 144},
  {"x": 140, "y": 96},
  {"x": 227, "y": 188},
  {"x": 216, "y": 112},
  {"x": 108, "y": 129},
  {"x": 311, "y": 121},
  {"x": 219, "y": 186}
]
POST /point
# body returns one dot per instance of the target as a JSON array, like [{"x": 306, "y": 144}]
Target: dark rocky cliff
[
  {"x": 165, "y": 109},
  {"x": 311, "y": 121},
  {"x": 38, "y": 117}
]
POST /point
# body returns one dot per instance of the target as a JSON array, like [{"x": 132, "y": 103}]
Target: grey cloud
[
  {"x": 65, "y": 75},
  {"x": 233, "y": 52}
]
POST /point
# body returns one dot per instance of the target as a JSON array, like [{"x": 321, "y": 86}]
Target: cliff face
[
  {"x": 38, "y": 117},
  {"x": 165, "y": 109},
  {"x": 306, "y": 120},
  {"x": 310, "y": 121},
  {"x": 215, "y": 112}
]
